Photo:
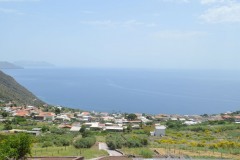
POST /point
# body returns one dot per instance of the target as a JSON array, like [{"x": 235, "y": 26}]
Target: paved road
[{"x": 103, "y": 146}]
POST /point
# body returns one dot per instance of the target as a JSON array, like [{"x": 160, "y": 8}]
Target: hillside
[
  {"x": 7, "y": 65},
  {"x": 34, "y": 64},
  {"x": 11, "y": 90}
]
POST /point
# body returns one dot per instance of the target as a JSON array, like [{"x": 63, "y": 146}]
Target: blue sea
[{"x": 145, "y": 91}]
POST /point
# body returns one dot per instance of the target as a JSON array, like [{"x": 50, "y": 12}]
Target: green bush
[
  {"x": 58, "y": 131},
  {"x": 114, "y": 141},
  {"x": 175, "y": 124},
  {"x": 136, "y": 140},
  {"x": 133, "y": 143},
  {"x": 85, "y": 142}
]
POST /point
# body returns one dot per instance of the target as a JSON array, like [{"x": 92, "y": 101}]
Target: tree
[
  {"x": 57, "y": 111},
  {"x": 129, "y": 128},
  {"x": 7, "y": 125},
  {"x": 86, "y": 133},
  {"x": 45, "y": 128},
  {"x": 83, "y": 129},
  {"x": 16, "y": 146},
  {"x": 131, "y": 116},
  {"x": 4, "y": 114}
]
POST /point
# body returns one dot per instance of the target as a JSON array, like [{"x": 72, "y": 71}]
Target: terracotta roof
[
  {"x": 226, "y": 116},
  {"x": 46, "y": 114},
  {"x": 237, "y": 117},
  {"x": 22, "y": 113},
  {"x": 85, "y": 113}
]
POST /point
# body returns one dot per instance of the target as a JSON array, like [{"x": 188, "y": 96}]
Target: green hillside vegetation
[{"x": 10, "y": 90}]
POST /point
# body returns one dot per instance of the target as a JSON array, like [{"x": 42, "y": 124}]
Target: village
[
  {"x": 60, "y": 131},
  {"x": 101, "y": 121}
]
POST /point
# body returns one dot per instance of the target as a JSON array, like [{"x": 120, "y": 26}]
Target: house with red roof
[{"x": 22, "y": 113}]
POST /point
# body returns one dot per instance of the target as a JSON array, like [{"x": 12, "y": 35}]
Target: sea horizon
[{"x": 154, "y": 91}]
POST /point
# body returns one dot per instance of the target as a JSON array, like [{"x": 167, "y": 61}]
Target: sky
[{"x": 162, "y": 34}]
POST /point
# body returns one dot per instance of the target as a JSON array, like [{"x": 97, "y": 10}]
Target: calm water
[{"x": 148, "y": 91}]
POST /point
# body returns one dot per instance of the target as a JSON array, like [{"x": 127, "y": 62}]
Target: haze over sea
[{"x": 145, "y": 91}]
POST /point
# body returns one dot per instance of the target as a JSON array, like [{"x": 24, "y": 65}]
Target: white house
[
  {"x": 62, "y": 117},
  {"x": 190, "y": 122},
  {"x": 159, "y": 131},
  {"x": 113, "y": 128}
]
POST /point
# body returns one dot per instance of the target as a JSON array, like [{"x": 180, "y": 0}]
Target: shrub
[
  {"x": 58, "y": 131},
  {"x": 114, "y": 141},
  {"x": 45, "y": 128},
  {"x": 133, "y": 143},
  {"x": 86, "y": 133},
  {"x": 141, "y": 131},
  {"x": 85, "y": 142},
  {"x": 175, "y": 124}
]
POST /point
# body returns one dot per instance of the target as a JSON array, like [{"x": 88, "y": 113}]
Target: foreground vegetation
[
  {"x": 16, "y": 146},
  {"x": 210, "y": 139}
]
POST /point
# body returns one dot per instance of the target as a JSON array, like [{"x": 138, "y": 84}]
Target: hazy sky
[{"x": 122, "y": 33}]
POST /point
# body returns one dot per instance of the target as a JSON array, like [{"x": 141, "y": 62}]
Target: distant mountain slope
[
  {"x": 7, "y": 65},
  {"x": 34, "y": 64},
  {"x": 11, "y": 90}
]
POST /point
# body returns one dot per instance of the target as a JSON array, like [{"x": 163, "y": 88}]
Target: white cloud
[
  {"x": 10, "y": 11},
  {"x": 222, "y": 14},
  {"x": 175, "y": 34}
]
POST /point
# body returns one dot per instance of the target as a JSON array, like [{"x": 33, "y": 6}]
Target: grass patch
[
  {"x": 68, "y": 151},
  {"x": 195, "y": 153},
  {"x": 1, "y": 126},
  {"x": 101, "y": 138}
]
